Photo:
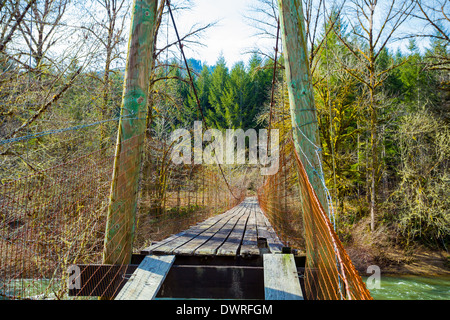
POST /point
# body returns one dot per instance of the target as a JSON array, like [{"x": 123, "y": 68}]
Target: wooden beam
[
  {"x": 266, "y": 231},
  {"x": 209, "y": 247},
  {"x": 189, "y": 277},
  {"x": 146, "y": 280},
  {"x": 213, "y": 282},
  {"x": 280, "y": 278},
  {"x": 301, "y": 94},
  {"x": 123, "y": 199}
]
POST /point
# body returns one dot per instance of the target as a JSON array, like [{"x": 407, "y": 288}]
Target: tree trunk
[{"x": 374, "y": 166}]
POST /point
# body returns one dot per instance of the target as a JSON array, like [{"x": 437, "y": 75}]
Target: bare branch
[{"x": 19, "y": 19}]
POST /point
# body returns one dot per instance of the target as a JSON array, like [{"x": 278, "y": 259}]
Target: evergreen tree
[
  {"x": 203, "y": 88},
  {"x": 216, "y": 117},
  {"x": 260, "y": 76},
  {"x": 235, "y": 96}
]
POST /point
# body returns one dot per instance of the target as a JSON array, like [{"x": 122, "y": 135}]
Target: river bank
[
  {"x": 418, "y": 274},
  {"x": 419, "y": 261},
  {"x": 422, "y": 262}
]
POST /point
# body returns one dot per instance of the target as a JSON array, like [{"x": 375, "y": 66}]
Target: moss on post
[
  {"x": 301, "y": 95},
  {"x": 124, "y": 189}
]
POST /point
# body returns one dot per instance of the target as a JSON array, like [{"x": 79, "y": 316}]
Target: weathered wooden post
[
  {"x": 301, "y": 95},
  {"x": 305, "y": 127},
  {"x": 120, "y": 225}
]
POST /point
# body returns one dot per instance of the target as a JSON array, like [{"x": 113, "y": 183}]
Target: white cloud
[{"x": 232, "y": 36}]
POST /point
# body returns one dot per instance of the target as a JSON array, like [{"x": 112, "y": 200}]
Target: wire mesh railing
[
  {"x": 291, "y": 203},
  {"x": 279, "y": 197},
  {"x": 51, "y": 219},
  {"x": 56, "y": 218}
]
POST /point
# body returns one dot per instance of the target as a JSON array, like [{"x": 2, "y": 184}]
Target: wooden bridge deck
[
  {"x": 234, "y": 255},
  {"x": 241, "y": 231}
]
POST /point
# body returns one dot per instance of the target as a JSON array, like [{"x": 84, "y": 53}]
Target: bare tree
[
  {"x": 46, "y": 57},
  {"x": 436, "y": 16},
  {"x": 12, "y": 14},
  {"x": 106, "y": 24},
  {"x": 264, "y": 18},
  {"x": 41, "y": 33},
  {"x": 373, "y": 24}
]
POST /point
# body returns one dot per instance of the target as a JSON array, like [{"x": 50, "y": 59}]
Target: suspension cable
[{"x": 195, "y": 90}]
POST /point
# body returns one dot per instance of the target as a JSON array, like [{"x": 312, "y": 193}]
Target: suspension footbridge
[{"x": 78, "y": 229}]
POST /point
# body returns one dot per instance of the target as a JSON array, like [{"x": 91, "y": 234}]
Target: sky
[{"x": 232, "y": 36}]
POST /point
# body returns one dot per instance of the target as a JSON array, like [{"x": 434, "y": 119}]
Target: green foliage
[
  {"x": 413, "y": 166},
  {"x": 422, "y": 194},
  {"x": 219, "y": 81},
  {"x": 229, "y": 99},
  {"x": 411, "y": 102}
]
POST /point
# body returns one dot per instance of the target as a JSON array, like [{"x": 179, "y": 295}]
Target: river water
[
  {"x": 412, "y": 288},
  {"x": 391, "y": 288}
]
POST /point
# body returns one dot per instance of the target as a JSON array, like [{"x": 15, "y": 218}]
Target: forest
[
  {"x": 383, "y": 111},
  {"x": 412, "y": 128}
]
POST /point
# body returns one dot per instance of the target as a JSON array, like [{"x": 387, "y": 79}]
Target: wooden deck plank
[
  {"x": 159, "y": 244},
  {"x": 189, "y": 234},
  {"x": 146, "y": 280},
  {"x": 189, "y": 247},
  {"x": 231, "y": 246},
  {"x": 280, "y": 277},
  {"x": 273, "y": 242},
  {"x": 235, "y": 232},
  {"x": 153, "y": 247},
  {"x": 261, "y": 227},
  {"x": 250, "y": 239},
  {"x": 211, "y": 246}
]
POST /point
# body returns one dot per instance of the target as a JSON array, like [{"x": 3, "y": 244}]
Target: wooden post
[
  {"x": 305, "y": 128},
  {"x": 124, "y": 188},
  {"x": 301, "y": 95},
  {"x": 280, "y": 277}
]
